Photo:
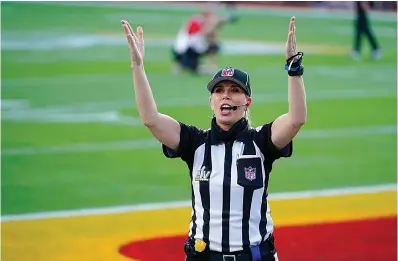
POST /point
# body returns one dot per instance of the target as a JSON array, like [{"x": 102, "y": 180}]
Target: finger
[
  {"x": 124, "y": 22},
  {"x": 294, "y": 33},
  {"x": 134, "y": 48},
  {"x": 130, "y": 38},
  {"x": 132, "y": 44},
  {"x": 294, "y": 39},
  {"x": 291, "y": 24},
  {"x": 132, "y": 31},
  {"x": 290, "y": 40},
  {"x": 136, "y": 39},
  {"x": 126, "y": 29},
  {"x": 140, "y": 32},
  {"x": 289, "y": 44},
  {"x": 129, "y": 29}
]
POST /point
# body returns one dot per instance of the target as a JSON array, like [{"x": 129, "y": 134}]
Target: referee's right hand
[{"x": 136, "y": 44}]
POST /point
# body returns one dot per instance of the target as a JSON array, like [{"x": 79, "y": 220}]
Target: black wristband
[
  {"x": 295, "y": 71},
  {"x": 295, "y": 68}
]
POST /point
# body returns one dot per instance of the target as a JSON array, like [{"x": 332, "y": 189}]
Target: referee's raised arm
[
  {"x": 163, "y": 127},
  {"x": 286, "y": 126}
]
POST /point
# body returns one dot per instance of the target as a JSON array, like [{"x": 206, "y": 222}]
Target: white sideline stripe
[
  {"x": 106, "y": 112},
  {"x": 182, "y": 204},
  {"x": 151, "y": 143}
]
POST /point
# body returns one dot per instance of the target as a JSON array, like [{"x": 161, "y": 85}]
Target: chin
[{"x": 227, "y": 120}]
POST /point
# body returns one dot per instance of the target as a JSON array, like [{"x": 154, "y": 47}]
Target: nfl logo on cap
[{"x": 227, "y": 72}]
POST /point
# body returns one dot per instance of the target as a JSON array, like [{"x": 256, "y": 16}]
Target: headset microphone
[{"x": 236, "y": 106}]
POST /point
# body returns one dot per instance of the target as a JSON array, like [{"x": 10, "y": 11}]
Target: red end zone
[{"x": 363, "y": 240}]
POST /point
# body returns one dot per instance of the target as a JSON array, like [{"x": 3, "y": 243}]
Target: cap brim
[{"x": 216, "y": 81}]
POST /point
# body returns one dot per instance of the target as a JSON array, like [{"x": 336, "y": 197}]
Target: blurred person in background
[
  {"x": 363, "y": 27},
  {"x": 229, "y": 163},
  {"x": 198, "y": 39}
]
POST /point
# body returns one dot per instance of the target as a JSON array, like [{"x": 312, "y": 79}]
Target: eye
[
  {"x": 218, "y": 90},
  {"x": 236, "y": 89}
]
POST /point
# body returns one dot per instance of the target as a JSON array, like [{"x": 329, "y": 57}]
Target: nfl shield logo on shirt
[
  {"x": 250, "y": 173},
  {"x": 227, "y": 72}
]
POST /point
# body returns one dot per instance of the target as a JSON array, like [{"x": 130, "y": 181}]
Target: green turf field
[{"x": 71, "y": 136}]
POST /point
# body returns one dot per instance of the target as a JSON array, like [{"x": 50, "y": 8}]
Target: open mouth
[{"x": 225, "y": 108}]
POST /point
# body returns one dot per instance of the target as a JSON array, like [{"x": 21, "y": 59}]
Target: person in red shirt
[{"x": 197, "y": 39}]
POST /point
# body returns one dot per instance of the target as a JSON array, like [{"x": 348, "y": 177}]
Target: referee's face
[{"x": 225, "y": 95}]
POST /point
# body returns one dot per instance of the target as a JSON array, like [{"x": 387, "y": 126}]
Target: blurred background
[{"x": 81, "y": 175}]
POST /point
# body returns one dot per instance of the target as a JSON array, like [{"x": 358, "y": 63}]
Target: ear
[
  {"x": 249, "y": 101},
  {"x": 211, "y": 105}
]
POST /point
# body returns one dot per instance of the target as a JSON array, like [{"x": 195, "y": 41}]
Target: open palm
[
  {"x": 291, "y": 48},
  {"x": 136, "y": 43}
]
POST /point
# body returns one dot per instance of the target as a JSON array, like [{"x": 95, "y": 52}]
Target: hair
[
  {"x": 247, "y": 116},
  {"x": 247, "y": 113}
]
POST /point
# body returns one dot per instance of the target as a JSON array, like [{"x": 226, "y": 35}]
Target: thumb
[{"x": 140, "y": 33}]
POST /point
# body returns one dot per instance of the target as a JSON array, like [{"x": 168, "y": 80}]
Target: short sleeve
[
  {"x": 267, "y": 147},
  {"x": 190, "y": 139}
]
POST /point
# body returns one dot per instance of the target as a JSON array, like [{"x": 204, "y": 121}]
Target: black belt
[
  {"x": 215, "y": 256},
  {"x": 265, "y": 251}
]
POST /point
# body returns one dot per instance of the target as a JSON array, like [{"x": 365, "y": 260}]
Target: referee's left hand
[{"x": 291, "y": 48}]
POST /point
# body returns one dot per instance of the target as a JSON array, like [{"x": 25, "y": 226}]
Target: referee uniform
[{"x": 229, "y": 173}]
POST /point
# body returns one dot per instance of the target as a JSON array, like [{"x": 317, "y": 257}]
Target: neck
[
  {"x": 228, "y": 132},
  {"x": 224, "y": 127}
]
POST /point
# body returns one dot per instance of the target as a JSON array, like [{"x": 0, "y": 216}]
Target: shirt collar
[{"x": 236, "y": 132}]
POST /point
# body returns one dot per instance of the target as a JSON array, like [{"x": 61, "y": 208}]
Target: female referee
[{"x": 229, "y": 163}]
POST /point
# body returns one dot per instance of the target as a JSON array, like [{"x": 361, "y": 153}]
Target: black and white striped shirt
[{"x": 229, "y": 180}]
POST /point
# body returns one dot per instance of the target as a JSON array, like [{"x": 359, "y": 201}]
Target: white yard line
[
  {"x": 21, "y": 111},
  {"x": 72, "y": 41},
  {"x": 182, "y": 204},
  {"x": 139, "y": 144}
]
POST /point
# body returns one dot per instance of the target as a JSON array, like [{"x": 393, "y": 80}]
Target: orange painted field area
[{"x": 356, "y": 227}]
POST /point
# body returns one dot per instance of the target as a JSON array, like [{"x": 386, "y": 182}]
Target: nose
[{"x": 225, "y": 96}]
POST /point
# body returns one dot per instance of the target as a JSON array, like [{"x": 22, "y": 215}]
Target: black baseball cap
[{"x": 234, "y": 75}]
